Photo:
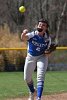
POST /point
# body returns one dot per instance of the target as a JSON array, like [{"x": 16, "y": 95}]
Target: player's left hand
[{"x": 51, "y": 48}]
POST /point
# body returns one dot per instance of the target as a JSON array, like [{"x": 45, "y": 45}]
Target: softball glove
[{"x": 51, "y": 48}]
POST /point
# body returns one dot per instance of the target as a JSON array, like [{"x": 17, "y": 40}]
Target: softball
[{"x": 22, "y": 9}]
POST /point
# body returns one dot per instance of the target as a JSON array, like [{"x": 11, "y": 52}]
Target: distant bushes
[
  {"x": 11, "y": 60},
  {"x": 58, "y": 60}
]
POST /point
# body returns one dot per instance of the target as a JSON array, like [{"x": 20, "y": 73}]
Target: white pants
[{"x": 30, "y": 64}]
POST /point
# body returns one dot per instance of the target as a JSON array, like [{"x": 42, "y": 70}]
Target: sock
[
  {"x": 40, "y": 88},
  {"x": 31, "y": 87}
]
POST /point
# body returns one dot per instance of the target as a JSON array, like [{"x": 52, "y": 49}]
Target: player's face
[{"x": 42, "y": 26}]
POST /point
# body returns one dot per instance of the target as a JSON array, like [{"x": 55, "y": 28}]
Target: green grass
[
  {"x": 13, "y": 85},
  {"x": 56, "y": 82}
]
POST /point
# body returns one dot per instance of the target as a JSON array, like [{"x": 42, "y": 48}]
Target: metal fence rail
[{"x": 58, "y": 48}]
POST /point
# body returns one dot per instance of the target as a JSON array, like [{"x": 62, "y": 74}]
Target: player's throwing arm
[{"x": 24, "y": 35}]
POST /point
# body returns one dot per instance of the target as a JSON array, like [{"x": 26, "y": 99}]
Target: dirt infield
[{"x": 62, "y": 96}]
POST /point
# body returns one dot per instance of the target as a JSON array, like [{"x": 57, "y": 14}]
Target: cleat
[
  {"x": 38, "y": 98},
  {"x": 31, "y": 96}
]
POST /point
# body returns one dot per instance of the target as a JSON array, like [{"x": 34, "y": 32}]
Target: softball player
[{"x": 38, "y": 42}]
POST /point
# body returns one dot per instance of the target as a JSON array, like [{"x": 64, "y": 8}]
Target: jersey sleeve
[
  {"x": 49, "y": 42},
  {"x": 30, "y": 35},
  {"x": 48, "y": 38}
]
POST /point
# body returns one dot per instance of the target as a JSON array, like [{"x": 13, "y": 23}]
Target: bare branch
[{"x": 60, "y": 21}]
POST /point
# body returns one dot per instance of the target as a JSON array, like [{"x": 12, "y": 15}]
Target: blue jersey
[{"x": 37, "y": 44}]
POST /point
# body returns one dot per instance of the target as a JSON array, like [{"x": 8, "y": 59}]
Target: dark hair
[{"x": 44, "y": 21}]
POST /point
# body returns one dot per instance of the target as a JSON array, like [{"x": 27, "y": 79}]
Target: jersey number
[{"x": 38, "y": 49}]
